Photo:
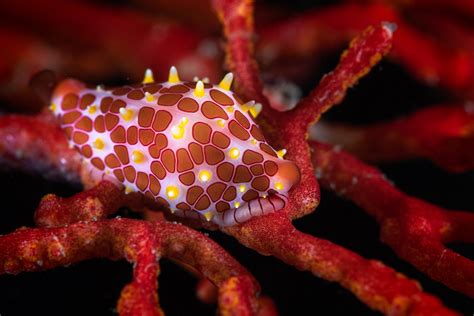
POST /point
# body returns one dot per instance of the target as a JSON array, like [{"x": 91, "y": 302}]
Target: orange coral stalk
[
  {"x": 91, "y": 205},
  {"x": 416, "y": 230},
  {"x": 141, "y": 243},
  {"x": 443, "y": 134},
  {"x": 364, "y": 52},
  {"x": 377, "y": 285}
]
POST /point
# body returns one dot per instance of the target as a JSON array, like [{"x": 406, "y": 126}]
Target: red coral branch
[
  {"x": 364, "y": 52},
  {"x": 425, "y": 58},
  {"x": 236, "y": 17},
  {"x": 97, "y": 203},
  {"x": 416, "y": 230},
  {"x": 141, "y": 243},
  {"x": 439, "y": 133},
  {"x": 155, "y": 43},
  {"x": 24, "y": 55},
  {"x": 378, "y": 286},
  {"x": 50, "y": 156}
]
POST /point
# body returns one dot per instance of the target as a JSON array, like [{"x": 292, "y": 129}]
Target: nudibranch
[{"x": 192, "y": 147}]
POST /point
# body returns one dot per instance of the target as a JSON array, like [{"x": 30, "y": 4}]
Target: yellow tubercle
[
  {"x": 184, "y": 121},
  {"x": 205, "y": 175},
  {"x": 242, "y": 188},
  {"x": 247, "y": 106},
  {"x": 149, "y": 97},
  {"x": 226, "y": 82},
  {"x": 234, "y": 153},
  {"x": 173, "y": 75},
  {"x": 53, "y": 107},
  {"x": 98, "y": 143},
  {"x": 279, "y": 186},
  {"x": 255, "y": 110},
  {"x": 148, "y": 78},
  {"x": 177, "y": 131},
  {"x": 199, "y": 90},
  {"x": 281, "y": 153},
  {"x": 253, "y": 141},
  {"x": 91, "y": 109},
  {"x": 172, "y": 192},
  {"x": 208, "y": 216},
  {"x": 221, "y": 122},
  {"x": 126, "y": 114},
  {"x": 138, "y": 156},
  {"x": 236, "y": 204},
  {"x": 128, "y": 189},
  {"x": 230, "y": 109}
]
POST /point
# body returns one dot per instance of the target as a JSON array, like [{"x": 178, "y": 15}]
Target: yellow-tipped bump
[
  {"x": 255, "y": 110},
  {"x": 247, "y": 106},
  {"x": 199, "y": 90},
  {"x": 99, "y": 88},
  {"x": 126, "y": 114},
  {"x": 221, "y": 122},
  {"x": 177, "y": 131},
  {"x": 184, "y": 121},
  {"x": 128, "y": 189},
  {"x": 234, "y": 153},
  {"x": 281, "y": 153},
  {"x": 226, "y": 82},
  {"x": 138, "y": 156},
  {"x": 53, "y": 107},
  {"x": 205, "y": 175},
  {"x": 173, "y": 76},
  {"x": 148, "y": 78},
  {"x": 208, "y": 216},
  {"x": 98, "y": 144},
  {"x": 236, "y": 204},
  {"x": 91, "y": 109},
  {"x": 242, "y": 188},
  {"x": 149, "y": 97},
  {"x": 172, "y": 192},
  {"x": 253, "y": 141},
  {"x": 279, "y": 186}
]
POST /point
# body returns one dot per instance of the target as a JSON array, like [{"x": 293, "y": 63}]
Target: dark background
[{"x": 93, "y": 287}]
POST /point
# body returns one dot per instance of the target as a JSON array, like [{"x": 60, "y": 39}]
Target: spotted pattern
[{"x": 192, "y": 155}]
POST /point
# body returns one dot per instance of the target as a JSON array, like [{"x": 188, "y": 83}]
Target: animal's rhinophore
[{"x": 193, "y": 147}]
